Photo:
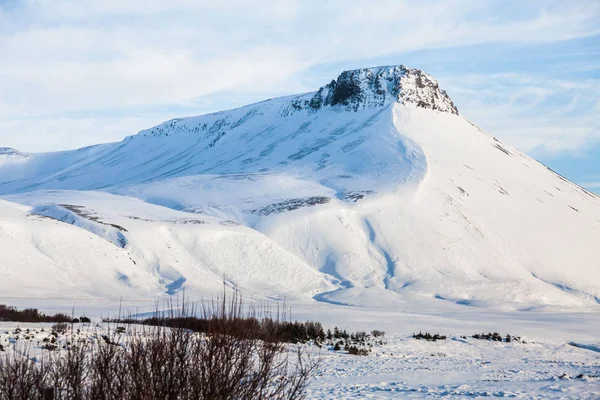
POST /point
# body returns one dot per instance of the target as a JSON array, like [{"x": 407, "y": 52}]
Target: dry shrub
[
  {"x": 60, "y": 328},
  {"x": 234, "y": 359}
]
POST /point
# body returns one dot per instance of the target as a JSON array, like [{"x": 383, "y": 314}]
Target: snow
[
  {"x": 545, "y": 363},
  {"x": 368, "y": 204},
  {"x": 11, "y": 156},
  {"x": 71, "y": 255},
  {"x": 378, "y": 195}
]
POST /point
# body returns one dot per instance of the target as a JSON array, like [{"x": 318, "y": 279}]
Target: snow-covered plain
[
  {"x": 557, "y": 356},
  {"x": 370, "y": 204}
]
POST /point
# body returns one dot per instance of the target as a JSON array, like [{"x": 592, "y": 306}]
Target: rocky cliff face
[{"x": 378, "y": 86}]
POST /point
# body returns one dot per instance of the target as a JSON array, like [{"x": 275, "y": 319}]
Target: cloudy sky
[{"x": 75, "y": 73}]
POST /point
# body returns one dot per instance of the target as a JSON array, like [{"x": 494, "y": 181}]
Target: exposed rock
[{"x": 378, "y": 86}]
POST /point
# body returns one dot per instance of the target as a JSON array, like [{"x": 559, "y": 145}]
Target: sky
[{"x": 76, "y": 73}]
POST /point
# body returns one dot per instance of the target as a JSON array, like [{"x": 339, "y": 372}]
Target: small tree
[
  {"x": 378, "y": 334},
  {"x": 60, "y": 328}
]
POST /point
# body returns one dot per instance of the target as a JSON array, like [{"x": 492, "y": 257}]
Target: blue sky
[{"x": 79, "y": 73}]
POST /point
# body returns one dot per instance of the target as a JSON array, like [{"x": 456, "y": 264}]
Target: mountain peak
[
  {"x": 12, "y": 153},
  {"x": 9, "y": 151},
  {"x": 8, "y": 155},
  {"x": 377, "y": 86},
  {"x": 426, "y": 206}
]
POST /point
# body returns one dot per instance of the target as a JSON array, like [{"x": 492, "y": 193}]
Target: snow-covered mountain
[
  {"x": 371, "y": 190},
  {"x": 9, "y": 156}
]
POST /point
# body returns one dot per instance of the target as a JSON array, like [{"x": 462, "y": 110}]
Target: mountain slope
[
  {"x": 372, "y": 189},
  {"x": 109, "y": 246}
]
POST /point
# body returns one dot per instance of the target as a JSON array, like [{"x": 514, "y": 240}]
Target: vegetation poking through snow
[
  {"x": 269, "y": 329},
  {"x": 355, "y": 343},
  {"x": 60, "y": 328},
  {"x": 496, "y": 337},
  {"x": 429, "y": 337},
  {"x": 377, "y": 333},
  {"x": 290, "y": 205},
  {"x": 13, "y": 314},
  {"x": 83, "y": 212},
  {"x": 228, "y": 361}
]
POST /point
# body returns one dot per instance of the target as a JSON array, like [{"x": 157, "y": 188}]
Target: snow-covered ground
[
  {"x": 556, "y": 357},
  {"x": 461, "y": 368},
  {"x": 368, "y": 204}
]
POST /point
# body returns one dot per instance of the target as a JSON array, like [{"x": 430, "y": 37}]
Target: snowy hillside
[
  {"x": 11, "y": 156},
  {"x": 371, "y": 190}
]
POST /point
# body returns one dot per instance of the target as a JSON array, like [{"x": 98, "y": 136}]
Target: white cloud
[
  {"x": 142, "y": 77},
  {"x": 533, "y": 113},
  {"x": 61, "y": 56}
]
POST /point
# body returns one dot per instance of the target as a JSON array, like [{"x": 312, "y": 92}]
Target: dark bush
[
  {"x": 49, "y": 346},
  {"x": 429, "y": 337},
  {"x": 358, "y": 351},
  {"x": 8, "y": 313},
  {"x": 359, "y": 336},
  {"x": 60, "y": 328},
  {"x": 288, "y": 332},
  {"x": 496, "y": 337}
]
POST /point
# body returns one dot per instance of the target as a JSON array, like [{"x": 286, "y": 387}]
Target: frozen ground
[
  {"x": 461, "y": 368},
  {"x": 545, "y": 364}
]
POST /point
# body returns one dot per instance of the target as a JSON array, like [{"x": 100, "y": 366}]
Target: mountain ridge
[
  {"x": 353, "y": 90},
  {"x": 385, "y": 201}
]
